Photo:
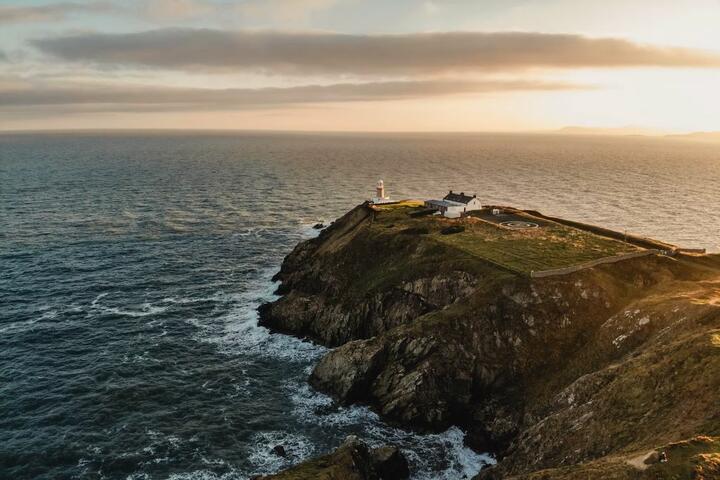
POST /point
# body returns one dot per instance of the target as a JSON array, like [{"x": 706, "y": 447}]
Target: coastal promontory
[{"x": 566, "y": 350}]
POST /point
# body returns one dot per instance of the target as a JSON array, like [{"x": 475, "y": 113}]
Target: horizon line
[{"x": 580, "y": 131}]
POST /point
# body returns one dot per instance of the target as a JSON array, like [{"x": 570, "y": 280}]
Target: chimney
[
  {"x": 462, "y": 193},
  {"x": 450, "y": 192}
]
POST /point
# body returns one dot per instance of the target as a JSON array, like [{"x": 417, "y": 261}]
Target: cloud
[
  {"x": 283, "y": 10},
  {"x": 16, "y": 95},
  {"x": 173, "y": 9},
  {"x": 323, "y": 53},
  {"x": 52, "y": 12},
  {"x": 154, "y": 9}
]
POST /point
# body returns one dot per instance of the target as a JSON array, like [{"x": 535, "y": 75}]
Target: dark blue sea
[{"x": 131, "y": 267}]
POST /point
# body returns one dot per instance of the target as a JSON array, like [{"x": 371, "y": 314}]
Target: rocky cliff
[
  {"x": 576, "y": 376},
  {"x": 353, "y": 460}
]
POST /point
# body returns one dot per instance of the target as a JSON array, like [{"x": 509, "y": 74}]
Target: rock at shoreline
[
  {"x": 279, "y": 450},
  {"x": 353, "y": 460},
  {"x": 389, "y": 463},
  {"x": 571, "y": 374}
]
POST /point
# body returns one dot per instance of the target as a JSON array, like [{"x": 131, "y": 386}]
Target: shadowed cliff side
[{"x": 436, "y": 329}]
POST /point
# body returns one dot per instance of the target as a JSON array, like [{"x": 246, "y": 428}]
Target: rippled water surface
[{"x": 132, "y": 265}]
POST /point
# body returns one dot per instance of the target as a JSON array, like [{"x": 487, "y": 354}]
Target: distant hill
[
  {"x": 639, "y": 131},
  {"x": 631, "y": 131},
  {"x": 698, "y": 136}
]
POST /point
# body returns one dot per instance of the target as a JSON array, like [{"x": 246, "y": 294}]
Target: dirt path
[{"x": 639, "y": 461}]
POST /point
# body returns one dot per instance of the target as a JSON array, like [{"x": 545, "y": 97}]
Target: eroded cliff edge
[{"x": 579, "y": 374}]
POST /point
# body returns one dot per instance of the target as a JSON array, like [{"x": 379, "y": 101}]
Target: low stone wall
[
  {"x": 642, "y": 242},
  {"x": 595, "y": 263},
  {"x": 692, "y": 251}
]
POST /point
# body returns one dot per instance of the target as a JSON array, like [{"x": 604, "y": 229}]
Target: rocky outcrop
[
  {"x": 552, "y": 373},
  {"x": 353, "y": 460}
]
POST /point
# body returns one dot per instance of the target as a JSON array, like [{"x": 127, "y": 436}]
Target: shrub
[
  {"x": 415, "y": 231},
  {"x": 422, "y": 213},
  {"x": 452, "y": 229}
]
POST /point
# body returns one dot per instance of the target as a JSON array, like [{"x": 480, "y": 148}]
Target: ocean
[{"x": 131, "y": 267}]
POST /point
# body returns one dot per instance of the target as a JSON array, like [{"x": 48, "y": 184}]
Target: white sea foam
[
  {"x": 315, "y": 408},
  {"x": 238, "y": 331},
  {"x": 308, "y": 230},
  {"x": 252, "y": 232},
  {"x": 142, "y": 358},
  {"x": 441, "y": 456},
  {"x": 217, "y": 297},
  {"x": 146, "y": 309},
  {"x": 202, "y": 475},
  {"x": 98, "y": 298},
  {"x": 44, "y": 320},
  {"x": 434, "y": 456},
  {"x": 19, "y": 327}
]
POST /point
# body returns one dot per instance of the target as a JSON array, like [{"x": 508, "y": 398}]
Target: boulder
[
  {"x": 353, "y": 460},
  {"x": 389, "y": 463},
  {"x": 279, "y": 450}
]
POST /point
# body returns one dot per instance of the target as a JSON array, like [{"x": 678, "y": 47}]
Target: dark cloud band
[
  {"x": 332, "y": 53},
  {"x": 156, "y": 98}
]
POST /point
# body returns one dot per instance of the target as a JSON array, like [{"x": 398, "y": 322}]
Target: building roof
[{"x": 459, "y": 197}]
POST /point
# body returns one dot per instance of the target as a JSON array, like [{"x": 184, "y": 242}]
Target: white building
[
  {"x": 380, "y": 196},
  {"x": 455, "y": 205}
]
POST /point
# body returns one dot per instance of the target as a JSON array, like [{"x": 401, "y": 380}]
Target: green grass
[
  {"x": 522, "y": 251},
  {"x": 401, "y": 259}
]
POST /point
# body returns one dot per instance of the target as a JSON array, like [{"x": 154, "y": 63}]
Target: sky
[{"x": 360, "y": 65}]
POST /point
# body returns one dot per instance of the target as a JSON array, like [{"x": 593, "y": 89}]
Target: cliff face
[
  {"x": 598, "y": 366},
  {"x": 348, "y": 284}
]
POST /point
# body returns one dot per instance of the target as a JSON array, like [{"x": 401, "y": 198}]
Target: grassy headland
[{"x": 438, "y": 322}]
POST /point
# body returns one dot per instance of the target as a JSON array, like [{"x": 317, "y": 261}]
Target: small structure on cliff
[
  {"x": 380, "y": 196},
  {"x": 455, "y": 205}
]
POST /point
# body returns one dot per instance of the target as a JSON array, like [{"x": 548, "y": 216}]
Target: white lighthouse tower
[{"x": 380, "y": 196}]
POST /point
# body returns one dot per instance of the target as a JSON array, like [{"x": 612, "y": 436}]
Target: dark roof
[{"x": 458, "y": 197}]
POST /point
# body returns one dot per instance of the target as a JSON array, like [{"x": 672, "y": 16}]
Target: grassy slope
[
  {"x": 551, "y": 246},
  {"x": 695, "y": 459},
  {"x": 404, "y": 255},
  {"x": 662, "y": 387}
]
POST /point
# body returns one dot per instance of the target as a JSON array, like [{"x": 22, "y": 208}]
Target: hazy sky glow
[{"x": 442, "y": 65}]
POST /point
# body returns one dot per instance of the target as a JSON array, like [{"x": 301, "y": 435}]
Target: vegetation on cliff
[{"x": 560, "y": 377}]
